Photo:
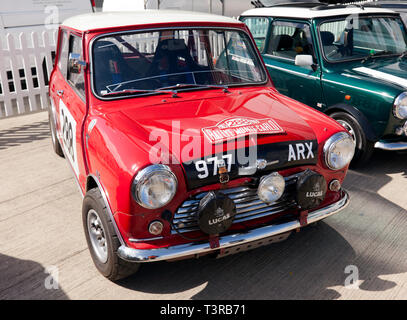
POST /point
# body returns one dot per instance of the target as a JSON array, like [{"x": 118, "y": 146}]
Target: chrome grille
[{"x": 248, "y": 207}]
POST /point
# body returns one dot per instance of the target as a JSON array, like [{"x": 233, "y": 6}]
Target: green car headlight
[
  {"x": 339, "y": 150},
  {"x": 154, "y": 186},
  {"x": 400, "y": 106}
]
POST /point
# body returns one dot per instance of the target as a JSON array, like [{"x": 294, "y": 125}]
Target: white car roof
[
  {"x": 102, "y": 20},
  {"x": 309, "y": 13}
]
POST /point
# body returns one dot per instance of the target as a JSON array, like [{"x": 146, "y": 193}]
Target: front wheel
[
  {"x": 102, "y": 239},
  {"x": 364, "y": 147}
]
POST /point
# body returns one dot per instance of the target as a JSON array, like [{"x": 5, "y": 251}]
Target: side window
[
  {"x": 63, "y": 54},
  {"x": 77, "y": 80},
  {"x": 259, "y": 27},
  {"x": 237, "y": 56},
  {"x": 289, "y": 39}
]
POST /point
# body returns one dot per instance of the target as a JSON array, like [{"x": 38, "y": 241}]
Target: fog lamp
[
  {"x": 271, "y": 187},
  {"x": 405, "y": 128},
  {"x": 401, "y": 130}
]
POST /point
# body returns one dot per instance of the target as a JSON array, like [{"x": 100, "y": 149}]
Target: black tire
[
  {"x": 55, "y": 143},
  {"x": 114, "y": 268},
  {"x": 364, "y": 147}
]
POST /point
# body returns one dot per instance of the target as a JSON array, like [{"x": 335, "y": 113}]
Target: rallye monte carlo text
[{"x": 179, "y": 142}]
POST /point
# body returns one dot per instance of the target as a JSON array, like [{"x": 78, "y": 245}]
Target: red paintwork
[{"x": 119, "y": 142}]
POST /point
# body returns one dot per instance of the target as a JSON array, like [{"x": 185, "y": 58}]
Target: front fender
[
  {"x": 369, "y": 100},
  {"x": 113, "y": 159}
]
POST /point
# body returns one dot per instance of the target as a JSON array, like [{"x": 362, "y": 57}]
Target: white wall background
[{"x": 232, "y": 8}]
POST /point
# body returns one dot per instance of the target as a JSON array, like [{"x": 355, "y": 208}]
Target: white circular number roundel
[{"x": 68, "y": 134}]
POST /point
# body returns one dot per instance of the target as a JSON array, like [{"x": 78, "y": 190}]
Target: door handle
[{"x": 60, "y": 93}]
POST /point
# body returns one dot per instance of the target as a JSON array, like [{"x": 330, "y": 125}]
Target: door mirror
[
  {"x": 75, "y": 65},
  {"x": 304, "y": 60}
]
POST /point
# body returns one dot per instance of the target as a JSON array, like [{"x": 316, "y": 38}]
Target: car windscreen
[
  {"x": 151, "y": 62},
  {"x": 355, "y": 38}
]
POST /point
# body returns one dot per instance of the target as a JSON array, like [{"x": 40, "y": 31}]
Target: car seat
[
  {"x": 328, "y": 39},
  {"x": 283, "y": 46},
  {"x": 109, "y": 66},
  {"x": 301, "y": 44},
  {"x": 179, "y": 63}
]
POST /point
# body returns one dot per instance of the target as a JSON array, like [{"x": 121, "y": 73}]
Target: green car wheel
[{"x": 364, "y": 147}]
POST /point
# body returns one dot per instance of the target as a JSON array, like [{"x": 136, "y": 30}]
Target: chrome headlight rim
[
  {"x": 331, "y": 143},
  {"x": 397, "y": 106},
  {"x": 145, "y": 174}
]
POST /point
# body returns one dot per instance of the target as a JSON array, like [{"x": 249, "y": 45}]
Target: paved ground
[{"x": 40, "y": 228}]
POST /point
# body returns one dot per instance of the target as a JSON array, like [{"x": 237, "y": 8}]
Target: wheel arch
[
  {"x": 92, "y": 182},
  {"x": 359, "y": 116}
]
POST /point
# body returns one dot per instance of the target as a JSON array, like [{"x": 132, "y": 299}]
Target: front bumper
[
  {"x": 228, "y": 241},
  {"x": 391, "y": 146}
]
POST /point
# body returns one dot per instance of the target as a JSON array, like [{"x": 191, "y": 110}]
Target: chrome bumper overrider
[
  {"x": 391, "y": 146},
  {"x": 197, "y": 248}
]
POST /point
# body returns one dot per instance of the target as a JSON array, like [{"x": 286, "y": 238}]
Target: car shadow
[
  {"x": 310, "y": 264},
  {"x": 383, "y": 163},
  {"x": 24, "y": 134},
  {"x": 295, "y": 268},
  {"x": 386, "y": 221},
  {"x": 26, "y": 279}
]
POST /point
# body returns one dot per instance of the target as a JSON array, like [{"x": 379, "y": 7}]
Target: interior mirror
[
  {"x": 75, "y": 65},
  {"x": 304, "y": 60}
]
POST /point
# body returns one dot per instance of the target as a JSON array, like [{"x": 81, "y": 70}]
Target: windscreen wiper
[
  {"x": 134, "y": 91},
  {"x": 377, "y": 54},
  {"x": 195, "y": 85},
  {"x": 403, "y": 55}
]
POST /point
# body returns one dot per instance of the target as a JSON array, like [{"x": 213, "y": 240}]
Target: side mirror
[
  {"x": 305, "y": 60},
  {"x": 75, "y": 64}
]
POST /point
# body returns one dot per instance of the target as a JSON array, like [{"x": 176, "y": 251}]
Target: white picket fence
[{"x": 23, "y": 80}]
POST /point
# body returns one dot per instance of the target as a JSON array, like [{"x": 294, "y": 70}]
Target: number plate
[{"x": 253, "y": 245}]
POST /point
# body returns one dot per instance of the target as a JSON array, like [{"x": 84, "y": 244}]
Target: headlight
[
  {"x": 339, "y": 150},
  {"x": 400, "y": 106},
  {"x": 271, "y": 188},
  {"x": 155, "y": 186}
]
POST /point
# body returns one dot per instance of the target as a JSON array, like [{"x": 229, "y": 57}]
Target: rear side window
[
  {"x": 289, "y": 39},
  {"x": 77, "y": 80},
  {"x": 63, "y": 54},
  {"x": 259, "y": 27}
]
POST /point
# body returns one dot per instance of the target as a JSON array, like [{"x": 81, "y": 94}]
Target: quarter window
[
  {"x": 258, "y": 27},
  {"x": 289, "y": 39},
  {"x": 77, "y": 80},
  {"x": 63, "y": 54}
]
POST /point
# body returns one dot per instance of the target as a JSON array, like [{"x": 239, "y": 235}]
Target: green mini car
[{"x": 349, "y": 62}]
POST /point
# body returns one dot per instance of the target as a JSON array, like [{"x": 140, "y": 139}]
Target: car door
[
  {"x": 69, "y": 103},
  {"x": 286, "y": 40}
]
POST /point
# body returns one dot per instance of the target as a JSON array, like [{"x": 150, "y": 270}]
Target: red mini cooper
[{"x": 179, "y": 142}]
